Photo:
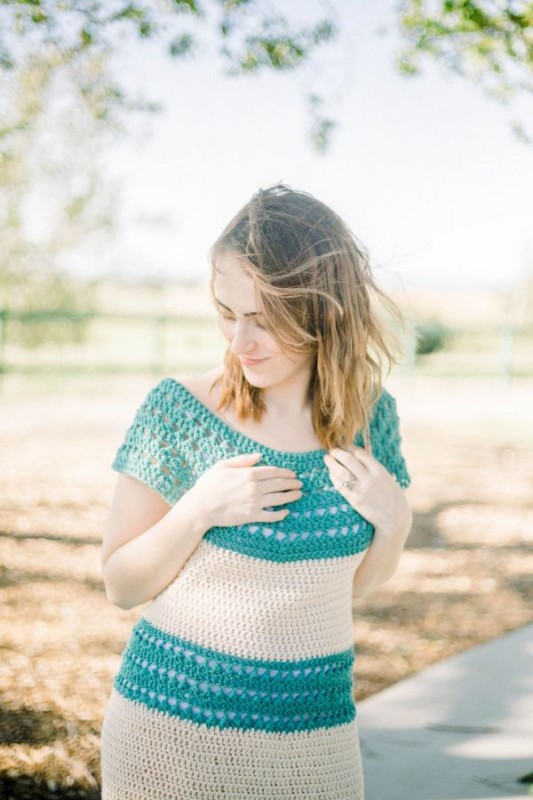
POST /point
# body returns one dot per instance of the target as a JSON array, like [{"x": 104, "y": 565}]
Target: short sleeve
[
  {"x": 152, "y": 448},
  {"x": 386, "y": 440}
]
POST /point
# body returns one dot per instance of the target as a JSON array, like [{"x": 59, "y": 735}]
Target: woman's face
[{"x": 264, "y": 362}]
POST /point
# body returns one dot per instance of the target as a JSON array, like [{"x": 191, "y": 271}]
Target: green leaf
[
  {"x": 320, "y": 135},
  {"x": 39, "y": 17},
  {"x": 229, "y": 5},
  {"x": 130, "y": 12},
  {"x": 324, "y": 31},
  {"x": 6, "y": 62},
  {"x": 406, "y": 65},
  {"x": 188, "y": 5},
  {"x": 250, "y": 62},
  {"x": 226, "y": 26},
  {"x": 86, "y": 37},
  {"x": 145, "y": 29},
  {"x": 181, "y": 45}
]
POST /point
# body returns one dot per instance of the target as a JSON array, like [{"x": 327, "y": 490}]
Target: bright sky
[{"x": 426, "y": 171}]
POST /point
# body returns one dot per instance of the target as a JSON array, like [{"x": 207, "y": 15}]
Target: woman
[{"x": 254, "y": 501}]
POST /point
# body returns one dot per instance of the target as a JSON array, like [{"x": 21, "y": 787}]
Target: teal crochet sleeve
[
  {"x": 151, "y": 450},
  {"x": 386, "y": 439}
]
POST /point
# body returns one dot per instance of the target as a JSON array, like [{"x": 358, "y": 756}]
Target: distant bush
[{"x": 431, "y": 336}]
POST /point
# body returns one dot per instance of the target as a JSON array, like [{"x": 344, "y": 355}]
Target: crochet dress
[{"x": 236, "y": 682}]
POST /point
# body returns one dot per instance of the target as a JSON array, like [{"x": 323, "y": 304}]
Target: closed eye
[{"x": 232, "y": 319}]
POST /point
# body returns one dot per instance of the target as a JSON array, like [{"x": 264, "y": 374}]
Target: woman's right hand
[
  {"x": 234, "y": 491},
  {"x": 147, "y": 542}
]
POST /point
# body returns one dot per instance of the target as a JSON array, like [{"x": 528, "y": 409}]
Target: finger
[
  {"x": 364, "y": 454},
  {"x": 365, "y": 457},
  {"x": 267, "y": 472},
  {"x": 272, "y": 516},
  {"x": 280, "y": 484},
  {"x": 338, "y": 472},
  {"x": 278, "y": 498},
  {"x": 349, "y": 461},
  {"x": 357, "y": 450}
]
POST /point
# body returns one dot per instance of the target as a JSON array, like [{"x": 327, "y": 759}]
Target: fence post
[
  {"x": 506, "y": 350},
  {"x": 3, "y": 328}
]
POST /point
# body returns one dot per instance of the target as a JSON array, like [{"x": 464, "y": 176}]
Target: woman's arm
[
  {"x": 382, "y": 558},
  {"x": 376, "y": 495},
  {"x": 147, "y": 542}
]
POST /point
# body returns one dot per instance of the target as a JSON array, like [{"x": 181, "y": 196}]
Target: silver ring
[{"x": 350, "y": 483}]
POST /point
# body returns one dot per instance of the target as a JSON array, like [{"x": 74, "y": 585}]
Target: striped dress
[{"x": 237, "y": 681}]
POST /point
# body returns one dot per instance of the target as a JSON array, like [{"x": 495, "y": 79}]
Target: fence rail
[
  {"x": 52, "y": 341},
  {"x": 56, "y": 341}
]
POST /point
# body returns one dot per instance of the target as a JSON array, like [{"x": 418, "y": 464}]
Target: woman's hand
[
  {"x": 234, "y": 491},
  {"x": 369, "y": 488},
  {"x": 374, "y": 493}
]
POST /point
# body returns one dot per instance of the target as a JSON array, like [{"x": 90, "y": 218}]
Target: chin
[{"x": 258, "y": 382}]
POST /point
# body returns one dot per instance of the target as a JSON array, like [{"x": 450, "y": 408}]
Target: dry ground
[{"x": 464, "y": 578}]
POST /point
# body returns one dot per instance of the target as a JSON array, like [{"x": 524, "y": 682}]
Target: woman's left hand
[{"x": 369, "y": 488}]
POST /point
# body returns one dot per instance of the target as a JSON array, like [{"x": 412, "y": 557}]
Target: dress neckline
[{"x": 252, "y": 445}]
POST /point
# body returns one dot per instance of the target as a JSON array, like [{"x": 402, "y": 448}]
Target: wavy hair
[{"x": 319, "y": 297}]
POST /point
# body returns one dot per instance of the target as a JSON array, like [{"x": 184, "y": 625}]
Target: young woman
[{"x": 253, "y": 502}]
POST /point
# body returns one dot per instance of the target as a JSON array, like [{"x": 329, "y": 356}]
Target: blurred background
[{"x": 130, "y": 133}]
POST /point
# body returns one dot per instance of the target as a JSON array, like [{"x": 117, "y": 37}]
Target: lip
[{"x": 251, "y": 362}]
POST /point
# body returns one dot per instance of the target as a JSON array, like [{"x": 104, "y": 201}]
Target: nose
[{"x": 242, "y": 340}]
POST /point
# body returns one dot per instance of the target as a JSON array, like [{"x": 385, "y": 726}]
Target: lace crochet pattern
[
  {"x": 174, "y": 438},
  {"x": 246, "y": 659},
  {"x": 180, "y": 677}
]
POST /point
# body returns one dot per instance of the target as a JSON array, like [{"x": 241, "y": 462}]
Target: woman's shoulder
[
  {"x": 198, "y": 384},
  {"x": 159, "y": 447}
]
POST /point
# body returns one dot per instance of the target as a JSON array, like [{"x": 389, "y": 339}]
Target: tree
[
  {"x": 53, "y": 199},
  {"x": 60, "y": 104},
  {"x": 489, "y": 42},
  {"x": 79, "y": 38},
  {"x": 56, "y": 60}
]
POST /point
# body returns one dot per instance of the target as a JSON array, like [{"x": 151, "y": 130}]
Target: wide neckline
[{"x": 293, "y": 455}]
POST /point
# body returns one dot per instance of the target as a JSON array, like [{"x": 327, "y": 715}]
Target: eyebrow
[{"x": 248, "y": 314}]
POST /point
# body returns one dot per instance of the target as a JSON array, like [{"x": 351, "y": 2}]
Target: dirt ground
[{"x": 465, "y": 576}]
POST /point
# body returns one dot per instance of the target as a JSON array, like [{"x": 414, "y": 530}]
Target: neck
[{"x": 289, "y": 399}]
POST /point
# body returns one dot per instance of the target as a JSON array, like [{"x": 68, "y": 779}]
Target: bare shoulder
[{"x": 200, "y": 384}]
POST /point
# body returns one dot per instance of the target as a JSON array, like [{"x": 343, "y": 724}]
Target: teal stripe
[
  {"x": 345, "y": 535},
  {"x": 184, "y": 679}
]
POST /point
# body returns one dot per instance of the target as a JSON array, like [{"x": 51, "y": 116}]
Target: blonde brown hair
[{"x": 318, "y": 296}]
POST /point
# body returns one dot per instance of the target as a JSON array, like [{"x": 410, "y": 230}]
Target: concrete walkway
[{"x": 461, "y": 729}]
